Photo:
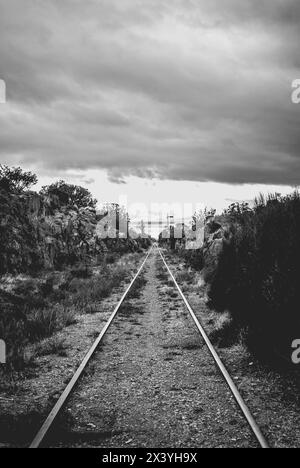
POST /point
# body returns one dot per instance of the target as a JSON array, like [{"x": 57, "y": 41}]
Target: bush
[
  {"x": 70, "y": 195},
  {"x": 53, "y": 345},
  {"x": 83, "y": 294},
  {"x": 42, "y": 323},
  {"x": 27, "y": 319},
  {"x": 193, "y": 258},
  {"x": 185, "y": 277},
  {"x": 257, "y": 276},
  {"x": 110, "y": 258},
  {"x": 81, "y": 272},
  {"x": 15, "y": 179}
]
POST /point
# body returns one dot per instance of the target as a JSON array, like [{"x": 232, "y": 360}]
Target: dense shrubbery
[
  {"x": 69, "y": 195},
  {"x": 19, "y": 242},
  {"x": 257, "y": 276},
  {"x": 193, "y": 257},
  {"x": 15, "y": 180}
]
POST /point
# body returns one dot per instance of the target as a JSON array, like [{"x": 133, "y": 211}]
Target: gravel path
[{"x": 153, "y": 383}]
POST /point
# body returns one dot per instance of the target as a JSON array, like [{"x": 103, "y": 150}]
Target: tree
[
  {"x": 15, "y": 179},
  {"x": 70, "y": 195}
]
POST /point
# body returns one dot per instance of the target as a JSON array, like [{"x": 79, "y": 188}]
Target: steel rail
[
  {"x": 44, "y": 430},
  {"x": 234, "y": 390}
]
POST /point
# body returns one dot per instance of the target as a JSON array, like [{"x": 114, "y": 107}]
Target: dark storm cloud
[{"x": 181, "y": 89}]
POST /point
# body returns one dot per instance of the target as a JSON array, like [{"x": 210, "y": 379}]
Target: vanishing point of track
[{"x": 49, "y": 422}]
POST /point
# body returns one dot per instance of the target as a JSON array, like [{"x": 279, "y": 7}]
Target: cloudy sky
[{"x": 156, "y": 99}]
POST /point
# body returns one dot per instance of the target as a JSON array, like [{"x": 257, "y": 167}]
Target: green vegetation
[
  {"x": 52, "y": 345},
  {"x": 193, "y": 257},
  {"x": 257, "y": 276},
  {"x": 15, "y": 180},
  {"x": 50, "y": 235},
  {"x": 56, "y": 227},
  {"x": 69, "y": 195},
  {"x": 35, "y": 310},
  {"x": 250, "y": 261}
]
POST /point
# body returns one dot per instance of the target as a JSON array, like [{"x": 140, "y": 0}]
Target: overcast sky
[{"x": 126, "y": 91}]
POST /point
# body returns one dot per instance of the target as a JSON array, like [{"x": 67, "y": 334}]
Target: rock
[{"x": 37, "y": 233}]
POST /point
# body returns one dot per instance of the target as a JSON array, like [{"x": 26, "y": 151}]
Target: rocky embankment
[{"x": 36, "y": 233}]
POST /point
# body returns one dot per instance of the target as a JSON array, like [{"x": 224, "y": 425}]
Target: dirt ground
[{"x": 153, "y": 383}]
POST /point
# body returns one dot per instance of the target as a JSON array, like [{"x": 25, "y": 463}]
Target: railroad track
[{"x": 59, "y": 406}]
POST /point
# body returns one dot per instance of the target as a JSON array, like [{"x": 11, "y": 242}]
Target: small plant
[
  {"x": 110, "y": 258},
  {"x": 185, "y": 276},
  {"x": 66, "y": 316},
  {"x": 193, "y": 257},
  {"x": 137, "y": 288},
  {"x": 92, "y": 309},
  {"x": 81, "y": 272},
  {"x": 42, "y": 323},
  {"x": 53, "y": 345},
  {"x": 46, "y": 288}
]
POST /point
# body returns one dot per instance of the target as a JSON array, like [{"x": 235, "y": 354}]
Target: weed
[{"x": 53, "y": 345}]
